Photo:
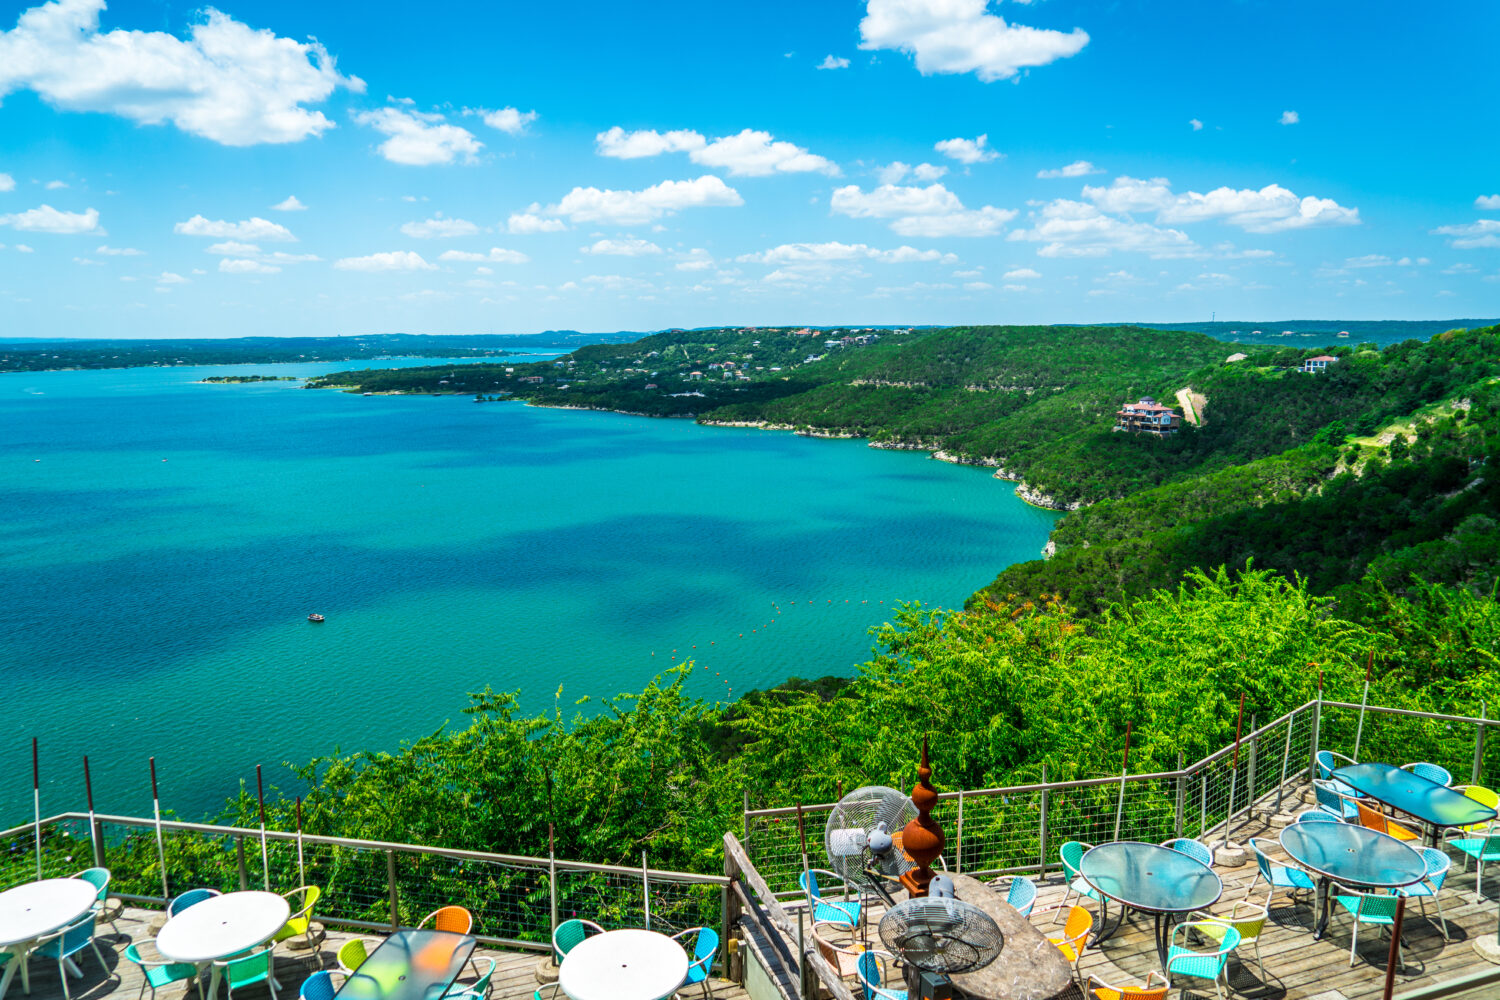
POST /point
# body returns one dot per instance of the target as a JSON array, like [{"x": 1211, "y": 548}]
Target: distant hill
[{"x": 1320, "y": 332}]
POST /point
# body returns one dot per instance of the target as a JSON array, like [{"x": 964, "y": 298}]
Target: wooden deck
[{"x": 514, "y": 979}]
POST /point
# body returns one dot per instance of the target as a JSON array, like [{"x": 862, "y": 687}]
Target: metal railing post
[
  {"x": 745, "y": 817},
  {"x": 96, "y": 834},
  {"x": 959, "y": 851},
  {"x": 390, "y": 874},
  {"x": 1250, "y": 776},
  {"x": 552, "y": 876},
  {"x": 1286, "y": 756},
  {"x": 1042, "y": 828},
  {"x": 646, "y": 889},
  {"x": 1317, "y": 725},
  {"x": 239, "y": 859},
  {"x": 1181, "y": 797},
  {"x": 1478, "y": 747}
]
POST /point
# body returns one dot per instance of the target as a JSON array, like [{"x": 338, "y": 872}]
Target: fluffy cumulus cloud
[
  {"x": 533, "y": 221},
  {"x": 233, "y": 266},
  {"x": 1289, "y": 118},
  {"x": 975, "y": 150},
  {"x": 512, "y": 121},
  {"x": 1196, "y": 124},
  {"x": 1079, "y": 229},
  {"x": 622, "y": 248},
  {"x": 289, "y": 204},
  {"x": 633, "y": 208},
  {"x": 792, "y": 254},
  {"x": 392, "y": 260},
  {"x": 931, "y": 211},
  {"x": 833, "y": 62},
  {"x": 497, "y": 255},
  {"x": 750, "y": 153},
  {"x": 1021, "y": 274},
  {"x": 961, "y": 36},
  {"x": 1078, "y": 168},
  {"x": 247, "y": 254},
  {"x": 46, "y": 219},
  {"x": 254, "y": 228},
  {"x": 1485, "y": 202},
  {"x": 1271, "y": 209},
  {"x": 225, "y": 81},
  {"x": 109, "y": 251},
  {"x": 7, "y": 182},
  {"x": 420, "y": 139},
  {"x": 439, "y": 228},
  {"x": 896, "y": 172},
  {"x": 1483, "y": 233}
]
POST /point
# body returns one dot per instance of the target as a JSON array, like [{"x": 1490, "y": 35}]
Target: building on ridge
[
  {"x": 1314, "y": 366},
  {"x": 1148, "y": 417}
]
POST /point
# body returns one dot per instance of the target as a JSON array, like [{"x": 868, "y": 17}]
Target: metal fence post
[
  {"x": 1181, "y": 797},
  {"x": 1286, "y": 757},
  {"x": 239, "y": 857},
  {"x": 1478, "y": 747},
  {"x": 552, "y": 876},
  {"x": 1250, "y": 777},
  {"x": 390, "y": 874},
  {"x": 96, "y": 834},
  {"x": 1042, "y": 829},
  {"x": 1317, "y": 725},
  {"x": 745, "y": 817},
  {"x": 646, "y": 889},
  {"x": 960, "y": 848}
]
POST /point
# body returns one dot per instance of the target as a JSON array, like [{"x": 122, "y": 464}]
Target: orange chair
[
  {"x": 454, "y": 920},
  {"x": 1104, "y": 991},
  {"x": 1075, "y": 934},
  {"x": 1374, "y": 819}
]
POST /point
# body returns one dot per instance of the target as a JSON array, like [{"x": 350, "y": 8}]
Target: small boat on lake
[{"x": 315, "y": 618}]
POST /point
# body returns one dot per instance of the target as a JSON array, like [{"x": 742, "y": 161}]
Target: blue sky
[{"x": 279, "y": 168}]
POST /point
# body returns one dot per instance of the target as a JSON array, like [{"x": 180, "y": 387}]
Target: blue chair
[
  {"x": 1367, "y": 908},
  {"x": 68, "y": 942},
  {"x": 479, "y": 988},
  {"x": 1438, "y": 865},
  {"x": 1182, "y": 961},
  {"x": 158, "y": 972},
  {"x": 567, "y": 935},
  {"x": 1278, "y": 876},
  {"x": 1328, "y": 762},
  {"x": 1336, "y": 799},
  {"x": 318, "y": 986},
  {"x": 702, "y": 961},
  {"x": 1481, "y": 849},
  {"x": 249, "y": 969},
  {"x": 1432, "y": 772},
  {"x": 871, "y": 969},
  {"x": 106, "y": 910},
  {"x": 1317, "y": 816},
  {"x": 190, "y": 898},
  {"x": 1021, "y": 895},
  {"x": 1071, "y": 855},
  {"x": 1193, "y": 849},
  {"x": 831, "y": 911}
]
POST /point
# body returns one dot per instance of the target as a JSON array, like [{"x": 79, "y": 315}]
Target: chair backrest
[
  {"x": 76, "y": 936},
  {"x": 1370, "y": 904},
  {"x": 1326, "y": 797},
  {"x": 1432, "y": 772},
  {"x": 1317, "y": 816},
  {"x": 840, "y": 957},
  {"x": 809, "y": 882},
  {"x": 454, "y": 919},
  {"x": 482, "y": 984},
  {"x": 1143, "y": 992},
  {"x": 190, "y": 898},
  {"x": 1261, "y": 861},
  {"x": 1192, "y": 849},
  {"x": 318, "y": 986},
  {"x": 1484, "y": 796},
  {"x": 1022, "y": 894},
  {"x": 1249, "y": 919},
  {"x": 568, "y": 934},
  {"x": 1078, "y": 925},
  {"x": 1373, "y": 819},
  {"x": 1231, "y": 941},
  {"x": 96, "y": 877},
  {"x": 707, "y": 945},
  {"x": 309, "y": 895},
  {"x": 1071, "y": 854},
  {"x": 352, "y": 953},
  {"x": 1438, "y": 864},
  {"x": 247, "y": 968},
  {"x": 871, "y": 971},
  {"x": 1326, "y": 766}
]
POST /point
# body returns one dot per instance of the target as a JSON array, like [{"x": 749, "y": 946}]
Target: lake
[{"x": 164, "y": 542}]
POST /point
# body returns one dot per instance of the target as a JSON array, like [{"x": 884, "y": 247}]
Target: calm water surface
[{"x": 163, "y": 542}]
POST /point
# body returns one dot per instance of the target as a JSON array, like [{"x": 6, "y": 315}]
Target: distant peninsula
[{"x": 236, "y": 379}]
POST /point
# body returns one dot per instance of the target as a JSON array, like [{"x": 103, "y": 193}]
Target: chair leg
[
  {"x": 62, "y": 973},
  {"x": 100, "y": 957},
  {"x": 1353, "y": 941},
  {"x": 1444, "y": 920}
]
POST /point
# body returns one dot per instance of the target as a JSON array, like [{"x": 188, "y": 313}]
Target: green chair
[
  {"x": 300, "y": 922},
  {"x": 106, "y": 910},
  {"x": 480, "y": 988},
  {"x": 568, "y": 934},
  {"x": 1182, "y": 961},
  {"x": 351, "y": 955},
  {"x": 249, "y": 969},
  {"x": 556, "y": 992},
  {"x": 1481, "y": 849},
  {"x": 1367, "y": 908},
  {"x": 1071, "y": 854},
  {"x": 158, "y": 972},
  {"x": 68, "y": 942}
]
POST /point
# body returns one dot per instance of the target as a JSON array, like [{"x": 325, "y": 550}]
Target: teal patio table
[
  {"x": 410, "y": 965},
  {"x": 1436, "y": 805},
  {"x": 1152, "y": 879},
  {"x": 1352, "y": 856}
]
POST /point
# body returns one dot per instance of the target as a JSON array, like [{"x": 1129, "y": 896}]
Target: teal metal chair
[
  {"x": 190, "y": 898},
  {"x": 249, "y": 969},
  {"x": 1071, "y": 854},
  {"x": 1183, "y": 961},
  {"x": 548, "y": 991},
  {"x": 1316, "y": 816},
  {"x": 843, "y": 912},
  {"x": 1277, "y": 876},
  {"x": 1432, "y": 772},
  {"x": 479, "y": 988},
  {"x": 568, "y": 934},
  {"x": 701, "y": 960},
  {"x": 1021, "y": 895},
  {"x": 1438, "y": 866},
  {"x": 318, "y": 986},
  {"x": 106, "y": 910},
  {"x": 1334, "y": 798},
  {"x": 159, "y": 972},
  {"x": 68, "y": 942},
  {"x": 1328, "y": 762},
  {"x": 1367, "y": 908},
  {"x": 871, "y": 969},
  {"x": 1193, "y": 849},
  {"x": 1481, "y": 849}
]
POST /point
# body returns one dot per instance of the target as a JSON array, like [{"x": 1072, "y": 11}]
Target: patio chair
[
  {"x": 1328, "y": 762},
  {"x": 454, "y": 920},
  {"x": 1104, "y": 991},
  {"x": 107, "y": 909},
  {"x": 568, "y": 934},
  {"x": 1075, "y": 933},
  {"x": 479, "y": 988},
  {"x": 1021, "y": 894},
  {"x": 250, "y": 968},
  {"x": 190, "y": 898},
  {"x": 1438, "y": 866},
  {"x": 1373, "y": 819},
  {"x": 871, "y": 971},
  {"x": 1277, "y": 875},
  {"x": 1367, "y": 908},
  {"x": 1071, "y": 854},
  {"x": 1332, "y": 798},
  {"x": 701, "y": 958},
  {"x": 1481, "y": 849},
  {"x": 158, "y": 972},
  {"x": 556, "y": 991},
  {"x": 1184, "y": 961},
  {"x": 1316, "y": 816},
  {"x": 351, "y": 955},
  {"x": 66, "y": 943},
  {"x": 843, "y": 958},
  {"x": 303, "y": 898},
  {"x": 1244, "y": 916},
  {"x": 1485, "y": 797},
  {"x": 318, "y": 986},
  {"x": 1190, "y": 847},
  {"x": 1432, "y": 772},
  {"x": 833, "y": 911}
]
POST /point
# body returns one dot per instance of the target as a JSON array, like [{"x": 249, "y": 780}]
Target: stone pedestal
[
  {"x": 546, "y": 971},
  {"x": 1486, "y": 947},
  {"x": 1230, "y": 855},
  {"x": 1280, "y": 820}
]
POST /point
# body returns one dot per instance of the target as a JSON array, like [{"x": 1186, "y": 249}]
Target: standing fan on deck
[
  {"x": 861, "y": 836},
  {"x": 941, "y": 935}
]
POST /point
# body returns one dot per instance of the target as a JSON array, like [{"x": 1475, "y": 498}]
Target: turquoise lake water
[{"x": 164, "y": 541}]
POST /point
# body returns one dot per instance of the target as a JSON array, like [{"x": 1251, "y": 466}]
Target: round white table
[
  {"x": 34, "y": 910},
  {"x": 623, "y": 965},
  {"x": 222, "y": 926}
]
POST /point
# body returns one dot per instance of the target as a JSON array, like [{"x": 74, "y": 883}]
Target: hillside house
[
  {"x": 695, "y": 376},
  {"x": 1148, "y": 417},
  {"x": 1317, "y": 365}
]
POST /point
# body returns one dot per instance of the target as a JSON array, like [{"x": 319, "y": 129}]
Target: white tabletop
[
  {"x": 36, "y": 909},
  {"x": 222, "y": 926},
  {"x": 623, "y": 965}
]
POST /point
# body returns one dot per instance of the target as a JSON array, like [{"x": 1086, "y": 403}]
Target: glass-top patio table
[
  {"x": 1436, "y": 805},
  {"x": 410, "y": 965},
  {"x": 1155, "y": 880},
  {"x": 1350, "y": 855}
]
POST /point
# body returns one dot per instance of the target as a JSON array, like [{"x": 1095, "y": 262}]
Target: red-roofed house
[
  {"x": 1148, "y": 417},
  {"x": 1313, "y": 366}
]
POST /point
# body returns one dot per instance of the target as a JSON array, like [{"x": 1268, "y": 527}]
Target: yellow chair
[
  {"x": 1485, "y": 797},
  {"x": 300, "y": 922},
  {"x": 1246, "y": 917},
  {"x": 351, "y": 955},
  {"x": 1104, "y": 991},
  {"x": 1075, "y": 933},
  {"x": 1374, "y": 819}
]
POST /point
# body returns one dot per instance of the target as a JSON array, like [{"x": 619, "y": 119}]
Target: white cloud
[
  {"x": 291, "y": 204},
  {"x": 697, "y": 259},
  {"x": 511, "y": 121},
  {"x": 624, "y": 145},
  {"x": 23, "y": 248},
  {"x": 831, "y": 61},
  {"x": 497, "y": 254},
  {"x": 1369, "y": 260},
  {"x": 532, "y": 221},
  {"x": 1272, "y": 209},
  {"x": 1483, "y": 233},
  {"x": 931, "y": 211},
  {"x": 7, "y": 182},
  {"x": 896, "y": 171},
  {"x": 632, "y": 208},
  {"x": 46, "y": 219},
  {"x": 169, "y": 278},
  {"x": 1196, "y": 124},
  {"x": 391, "y": 260},
  {"x": 793, "y": 254},
  {"x": 231, "y": 266},
  {"x": 750, "y": 153},
  {"x": 1021, "y": 274},
  {"x": 233, "y": 248},
  {"x": 439, "y": 228},
  {"x": 254, "y": 228},
  {"x": 109, "y": 251},
  {"x": 985, "y": 286},
  {"x": 1289, "y": 118},
  {"x": 419, "y": 139},
  {"x": 1485, "y": 202},
  {"x": 1078, "y": 168},
  {"x": 960, "y": 36},
  {"x": 968, "y": 150},
  {"x": 1078, "y": 229},
  {"x": 622, "y": 248},
  {"x": 226, "y": 81},
  {"x": 56, "y": 185},
  {"x": 1130, "y": 194}
]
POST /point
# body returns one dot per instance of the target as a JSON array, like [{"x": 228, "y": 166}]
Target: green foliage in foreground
[{"x": 1001, "y": 690}]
